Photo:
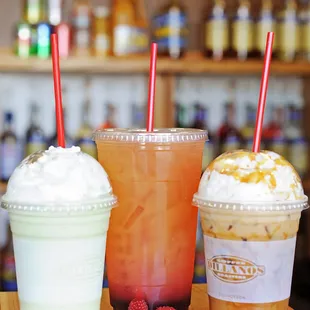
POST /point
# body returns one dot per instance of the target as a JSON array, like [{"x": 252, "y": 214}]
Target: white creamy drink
[
  {"x": 59, "y": 203},
  {"x": 250, "y": 206}
]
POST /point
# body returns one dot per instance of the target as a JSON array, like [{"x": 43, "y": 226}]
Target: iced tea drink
[
  {"x": 152, "y": 233},
  {"x": 250, "y": 206}
]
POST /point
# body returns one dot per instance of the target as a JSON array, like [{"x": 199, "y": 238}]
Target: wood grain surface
[{"x": 9, "y": 301}]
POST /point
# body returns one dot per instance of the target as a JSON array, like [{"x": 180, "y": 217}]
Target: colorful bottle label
[
  {"x": 249, "y": 272},
  {"x": 170, "y": 30},
  {"x": 216, "y": 34},
  {"x": 102, "y": 44},
  {"x": 242, "y": 35},
  {"x": 123, "y": 35},
  {"x": 278, "y": 145},
  {"x": 9, "y": 158},
  {"x": 34, "y": 144},
  {"x": 140, "y": 40}
]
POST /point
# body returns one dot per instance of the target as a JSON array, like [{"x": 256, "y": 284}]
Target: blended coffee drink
[
  {"x": 250, "y": 206},
  {"x": 59, "y": 203},
  {"x": 152, "y": 235}
]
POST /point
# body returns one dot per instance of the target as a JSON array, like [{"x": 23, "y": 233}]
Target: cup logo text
[{"x": 233, "y": 269}]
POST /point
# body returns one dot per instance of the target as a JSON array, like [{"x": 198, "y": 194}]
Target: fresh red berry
[
  {"x": 165, "y": 308},
  {"x": 138, "y": 304}
]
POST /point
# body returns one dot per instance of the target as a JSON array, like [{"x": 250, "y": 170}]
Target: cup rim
[
  {"x": 105, "y": 203},
  {"x": 162, "y": 135},
  {"x": 261, "y": 206}
]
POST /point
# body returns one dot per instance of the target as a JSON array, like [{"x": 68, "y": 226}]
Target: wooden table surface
[{"x": 9, "y": 301}]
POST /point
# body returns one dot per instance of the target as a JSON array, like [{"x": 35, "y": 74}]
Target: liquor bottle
[
  {"x": 34, "y": 11},
  {"x": 44, "y": 31},
  {"x": 123, "y": 25},
  {"x": 305, "y": 31},
  {"x": 10, "y": 153},
  {"x": 140, "y": 34},
  {"x": 109, "y": 117},
  {"x": 288, "y": 32},
  {"x": 170, "y": 30},
  {"x": 102, "y": 32},
  {"x": 8, "y": 270},
  {"x": 217, "y": 32},
  {"x": 273, "y": 133},
  {"x": 82, "y": 22},
  {"x": 264, "y": 24},
  {"x": 247, "y": 131},
  {"x": 84, "y": 137},
  {"x": 35, "y": 138},
  {"x": 64, "y": 33},
  {"x": 242, "y": 32},
  {"x": 54, "y": 11},
  {"x": 180, "y": 116},
  {"x": 229, "y": 136},
  {"x": 297, "y": 152}
]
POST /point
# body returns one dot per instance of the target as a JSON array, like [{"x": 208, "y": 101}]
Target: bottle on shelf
[
  {"x": 22, "y": 45},
  {"x": 34, "y": 11},
  {"x": 82, "y": 22},
  {"x": 123, "y": 25},
  {"x": 35, "y": 138},
  {"x": 242, "y": 31},
  {"x": 288, "y": 32},
  {"x": 180, "y": 115},
  {"x": 297, "y": 152},
  {"x": 229, "y": 137},
  {"x": 305, "y": 30},
  {"x": 64, "y": 31},
  {"x": 54, "y": 11},
  {"x": 273, "y": 133},
  {"x": 140, "y": 34},
  {"x": 263, "y": 25},
  {"x": 44, "y": 31},
  {"x": 10, "y": 151},
  {"x": 217, "y": 31},
  {"x": 84, "y": 136},
  {"x": 102, "y": 32},
  {"x": 109, "y": 117},
  {"x": 247, "y": 131},
  {"x": 170, "y": 30}
]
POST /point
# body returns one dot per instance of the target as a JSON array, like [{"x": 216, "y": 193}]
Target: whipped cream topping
[
  {"x": 58, "y": 175},
  {"x": 241, "y": 176}
]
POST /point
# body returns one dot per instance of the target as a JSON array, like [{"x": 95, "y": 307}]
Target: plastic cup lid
[
  {"x": 165, "y": 135},
  {"x": 261, "y": 206},
  {"x": 105, "y": 203}
]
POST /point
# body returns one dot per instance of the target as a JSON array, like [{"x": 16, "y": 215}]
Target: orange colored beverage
[{"x": 152, "y": 232}]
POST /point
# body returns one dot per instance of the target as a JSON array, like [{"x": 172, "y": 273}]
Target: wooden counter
[{"x": 9, "y": 301}]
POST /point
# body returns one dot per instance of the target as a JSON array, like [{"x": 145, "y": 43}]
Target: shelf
[{"x": 194, "y": 63}]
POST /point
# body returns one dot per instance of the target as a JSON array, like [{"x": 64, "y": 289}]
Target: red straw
[
  {"x": 263, "y": 93},
  {"x": 57, "y": 91},
  {"x": 152, "y": 84}
]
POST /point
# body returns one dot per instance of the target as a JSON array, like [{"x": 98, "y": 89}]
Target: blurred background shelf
[{"x": 193, "y": 63}]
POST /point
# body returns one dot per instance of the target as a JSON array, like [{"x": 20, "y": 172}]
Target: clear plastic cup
[
  {"x": 152, "y": 234},
  {"x": 249, "y": 252},
  {"x": 59, "y": 250}
]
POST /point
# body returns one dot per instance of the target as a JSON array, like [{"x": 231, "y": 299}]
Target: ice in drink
[
  {"x": 250, "y": 206},
  {"x": 152, "y": 234},
  {"x": 59, "y": 204}
]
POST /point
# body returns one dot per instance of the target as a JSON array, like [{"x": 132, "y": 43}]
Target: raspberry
[
  {"x": 165, "y": 308},
  {"x": 138, "y": 304}
]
